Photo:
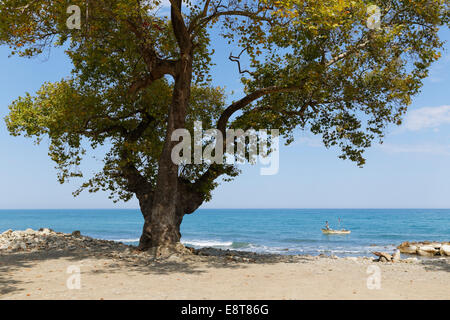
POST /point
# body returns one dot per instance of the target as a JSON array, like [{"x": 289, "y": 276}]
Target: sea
[{"x": 281, "y": 231}]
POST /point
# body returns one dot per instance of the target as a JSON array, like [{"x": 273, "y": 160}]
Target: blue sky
[{"x": 410, "y": 170}]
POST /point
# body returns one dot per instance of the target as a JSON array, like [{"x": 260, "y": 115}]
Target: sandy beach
[{"x": 107, "y": 270}]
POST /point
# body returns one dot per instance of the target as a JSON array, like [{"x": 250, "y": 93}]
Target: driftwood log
[{"x": 383, "y": 256}]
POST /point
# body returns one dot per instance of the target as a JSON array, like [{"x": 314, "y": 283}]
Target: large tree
[{"x": 326, "y": 66}]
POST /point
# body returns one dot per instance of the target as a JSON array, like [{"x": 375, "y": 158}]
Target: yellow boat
[{"x": 331, "y": 231}]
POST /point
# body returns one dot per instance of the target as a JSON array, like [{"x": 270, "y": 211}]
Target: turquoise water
[{"x": 285, "y": 231}]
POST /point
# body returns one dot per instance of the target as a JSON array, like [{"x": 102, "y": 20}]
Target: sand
[{"x": 44, "y": 275}]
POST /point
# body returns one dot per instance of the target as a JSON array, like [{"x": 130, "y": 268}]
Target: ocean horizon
[{"x": 280, "y": 231}]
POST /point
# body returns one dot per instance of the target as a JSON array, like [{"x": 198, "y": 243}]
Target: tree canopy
[{"x": 138, "y": 75}]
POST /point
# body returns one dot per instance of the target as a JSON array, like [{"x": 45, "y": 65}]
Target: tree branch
[
  {"x": 179, "y": 27},
  {"x": 240, "y": 104}
]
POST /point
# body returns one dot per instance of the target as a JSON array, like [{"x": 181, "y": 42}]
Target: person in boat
[{"x": 327, "y": 226}]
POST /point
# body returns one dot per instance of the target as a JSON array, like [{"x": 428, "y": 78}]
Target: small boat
[{"x": 331, "y": 231}]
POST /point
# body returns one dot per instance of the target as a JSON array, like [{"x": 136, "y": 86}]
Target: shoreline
[{"x": 113, "y": 270}]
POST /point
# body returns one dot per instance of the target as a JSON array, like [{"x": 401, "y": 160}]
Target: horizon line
[{"x": 271, "y": 208}]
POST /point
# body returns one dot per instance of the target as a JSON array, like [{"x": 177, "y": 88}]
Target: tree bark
[
  {"x": 163, "y": 216},
  {"x": 153, "y": 238},
  {"x": 164, "y": 210}
]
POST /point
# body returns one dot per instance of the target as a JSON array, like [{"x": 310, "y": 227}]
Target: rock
[
  {"x": 411, "y": 249},
  {"x": 76, "y": 233},
  {"x": 7, "y": 232},
  {"x": 383, "y": 256},
  {"x": 45, "y": 231},
  {"x": 407, "y": 247},
  {"x": 425, "y": 248},
  {"x": 396, "y": 256},
  {"x": 445, "y": 250},
  {"x": 436, "y": 245},
  {"x": 427, "y": 251},
  {"x": 17, "y": 246}
]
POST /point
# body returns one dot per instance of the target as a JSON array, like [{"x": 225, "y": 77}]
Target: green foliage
[{"x": 320, "y": 67}]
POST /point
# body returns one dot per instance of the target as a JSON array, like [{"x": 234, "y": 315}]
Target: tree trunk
[
  {"x": 163, "y": 216},
  {"x": 161, "y": 233}
]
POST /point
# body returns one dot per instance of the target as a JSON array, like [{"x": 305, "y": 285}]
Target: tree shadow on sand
[
  {"x": 437, "y": 265},
  {"x": 11, "y": 263}
]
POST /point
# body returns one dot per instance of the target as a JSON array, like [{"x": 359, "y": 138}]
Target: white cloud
[{"x": 426, "y": 118}]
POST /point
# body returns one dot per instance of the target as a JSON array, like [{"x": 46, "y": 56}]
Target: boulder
[
  {"x": 436, "y": 245},
  {"x": 445, "y": 250},
  {"x": 407, "y": 247},
  {"x": 396, "y": 256},
  {"x": 427, "y": 251},
  {"x": 76, "y": 233},
  {"x": 410, "y": 249}
]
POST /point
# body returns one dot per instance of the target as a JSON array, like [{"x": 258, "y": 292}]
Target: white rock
[
  {"x": 409, "y": 249},
  {"x": 445, "y": 250},
  {"x": 436, "y": 245},
  {"x": 396, "y": 256},
  {"x": 46, "y": 231},
  {"x": 426, "y": 251},
  {"x": 7, "y": 232}
]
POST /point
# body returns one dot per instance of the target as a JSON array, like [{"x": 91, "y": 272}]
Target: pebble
[{"x": 46, "y": 239}]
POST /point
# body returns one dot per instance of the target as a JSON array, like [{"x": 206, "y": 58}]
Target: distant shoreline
[{"x": 201, "y": 209}]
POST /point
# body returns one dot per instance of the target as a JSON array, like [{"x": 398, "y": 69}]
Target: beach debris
[
  {"x": 76, "y": 233},
  {"x": 425, "y": 248},
  {"x": 383, "y": 256}
]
